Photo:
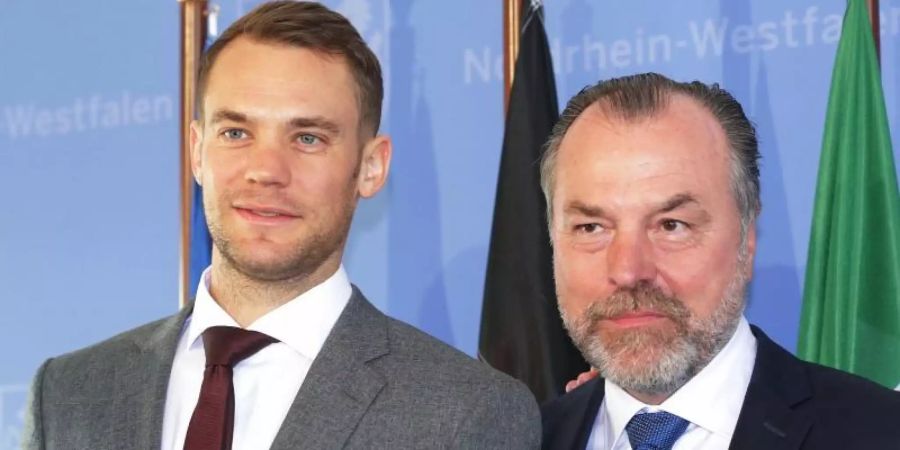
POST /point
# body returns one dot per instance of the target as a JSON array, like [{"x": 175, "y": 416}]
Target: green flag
[{"x": 851, "y": 301}]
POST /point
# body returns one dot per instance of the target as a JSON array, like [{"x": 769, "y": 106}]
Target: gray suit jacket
[{"x": 377, "y": 383}]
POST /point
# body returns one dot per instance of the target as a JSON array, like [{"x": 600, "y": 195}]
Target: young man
[{"x": 279, "y": 350}]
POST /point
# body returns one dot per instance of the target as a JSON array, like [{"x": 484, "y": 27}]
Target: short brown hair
[
  {"x": 311, "y": 26},
  {"x": 642, "y": 96}
]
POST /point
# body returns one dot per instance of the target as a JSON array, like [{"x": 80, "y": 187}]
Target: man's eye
[
  {"x": 308, "y": 139},
  {"x": 588, "y": 228},
  {"x": 234, "y": 134},
  {"x": 672, "y": 225}
]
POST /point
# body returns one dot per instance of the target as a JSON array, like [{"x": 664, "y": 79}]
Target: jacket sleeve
[
  {"x": 33, "y": 432},
  {"x": 508, "y": 418}
]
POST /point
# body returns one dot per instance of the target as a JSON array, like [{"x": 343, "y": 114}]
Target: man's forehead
[
  {"x": 262, "y": 79},
  {"x": 611, "y": 162},
  {"x": 250, "y": 60},
  {"x": 683, "y": 128}
]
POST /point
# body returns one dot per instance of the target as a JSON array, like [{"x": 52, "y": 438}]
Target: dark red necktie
[{"x": 213, "y": 420}]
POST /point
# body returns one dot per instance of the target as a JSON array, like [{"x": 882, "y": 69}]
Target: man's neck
[{"x": 246, "y": 299}]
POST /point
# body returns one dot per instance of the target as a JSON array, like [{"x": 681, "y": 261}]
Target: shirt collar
[
  {"x": 302, "y": 323},
  {"x": 620, "y": 408},
  {"x": 711, "y": 400}
]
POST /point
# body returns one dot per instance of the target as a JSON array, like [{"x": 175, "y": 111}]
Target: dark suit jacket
[
  {"x": 377, "y": 383},
  {"x": 790, "y": 404}
]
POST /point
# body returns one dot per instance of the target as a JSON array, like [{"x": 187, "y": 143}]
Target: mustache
[{"x": 642, "y": 297}]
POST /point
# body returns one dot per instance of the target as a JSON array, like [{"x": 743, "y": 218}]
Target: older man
[
  {"x": 653, "y": 192},
  {"x": 279, "y": 350}
]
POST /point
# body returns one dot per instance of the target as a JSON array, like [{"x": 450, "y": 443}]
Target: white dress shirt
[
  {"x": 711, "y": 401},
  {"x": 265, "y": 383}
]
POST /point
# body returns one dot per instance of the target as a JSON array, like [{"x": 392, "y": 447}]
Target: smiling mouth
[
  {"x": 265, "y": 213},
  {"x": 265, "y": 216}
]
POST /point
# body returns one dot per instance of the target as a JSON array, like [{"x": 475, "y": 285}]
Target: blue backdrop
[{"x": 89, "y": 151}]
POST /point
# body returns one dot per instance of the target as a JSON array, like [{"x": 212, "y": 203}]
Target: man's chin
[
  {"x": 637, "y": 346},
  {"x": 264, "y": 270},
  {"x": 270, "y": 266},
  {"x": 648, "y": 368}
]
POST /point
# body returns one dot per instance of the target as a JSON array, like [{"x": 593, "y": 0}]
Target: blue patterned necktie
[{"x": 655, "y": 431}]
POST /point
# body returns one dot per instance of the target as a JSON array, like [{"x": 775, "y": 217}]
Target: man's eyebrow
[
  {"x": 677, "y": 201},
  {"x": 297, "y": 122},
  {"x": 315, "y": 122},
  {"x": 229, "y": 115},
  {"x": 577, "y": 207}
]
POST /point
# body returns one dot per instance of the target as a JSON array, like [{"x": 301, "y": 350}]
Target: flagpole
[
  {"x": 192, "y": 30},
  {"x": 512, "y": 19},
  {"x": 875, "y": 21}
]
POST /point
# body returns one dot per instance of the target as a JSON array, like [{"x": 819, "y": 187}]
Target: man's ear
[
  {"x": 374, "y": 166},
  {"x": 196, "y": 139}
]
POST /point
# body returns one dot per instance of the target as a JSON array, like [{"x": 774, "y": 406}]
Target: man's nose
[
  {"x": 630, "y": 259},
  {"x": 267, "y": 164}
]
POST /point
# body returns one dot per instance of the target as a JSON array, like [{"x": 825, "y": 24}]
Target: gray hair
[{"x": 642, "y": 96}]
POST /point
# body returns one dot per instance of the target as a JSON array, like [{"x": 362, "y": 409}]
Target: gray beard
[
  {"x": 300, "y": 260},
  {"x": 655, "y": 361}
]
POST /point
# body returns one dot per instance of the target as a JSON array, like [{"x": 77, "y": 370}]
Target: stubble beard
[
  {"x": 296, "y": 261},
  {"x": 653, "y": 360}
]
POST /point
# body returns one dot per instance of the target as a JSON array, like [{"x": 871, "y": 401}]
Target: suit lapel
[
  {"x": 590, "y": 415},
  {"x": 578, "y": 415},
  {"x": 768, "y": 418},
  {"x": 340, "y": 385},
  {"x": 146, "y": 381}
]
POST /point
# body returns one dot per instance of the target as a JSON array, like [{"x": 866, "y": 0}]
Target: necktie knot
[
  {"x": 655, "y": 431},
  {"x": 212, "y": 423},
  {"x": 227, "y": 346}
]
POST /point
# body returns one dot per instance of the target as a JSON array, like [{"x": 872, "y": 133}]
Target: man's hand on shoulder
[{"x": 582, "y": 378}]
